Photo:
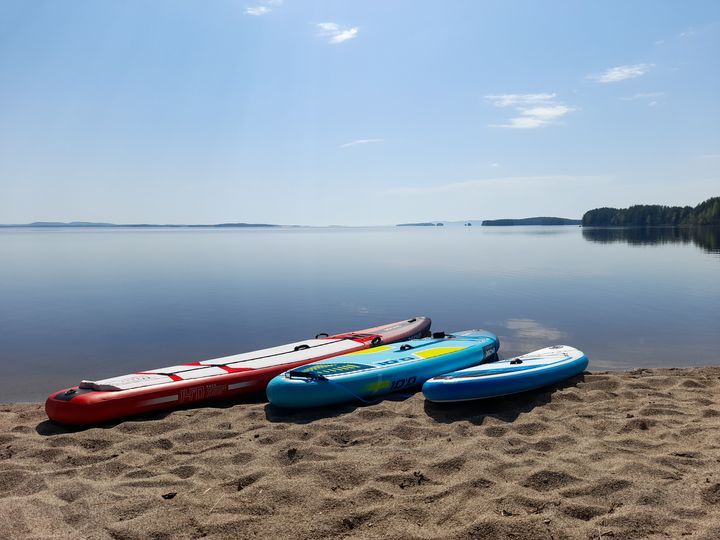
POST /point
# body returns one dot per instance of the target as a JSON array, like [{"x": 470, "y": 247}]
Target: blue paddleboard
[
  {"x": 367, "y": 374},
  {"x": 528, "y": 372}
]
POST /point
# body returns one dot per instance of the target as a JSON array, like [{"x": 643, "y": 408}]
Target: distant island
[
  {"x": 423, "y": 224},
  {"x": 530, "y": 221},
  {"x": 642, "y": 215},
  {"x": 81, "y": 224}
]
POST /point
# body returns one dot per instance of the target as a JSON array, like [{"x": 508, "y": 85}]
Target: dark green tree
[{"x": 705, "y": 213}]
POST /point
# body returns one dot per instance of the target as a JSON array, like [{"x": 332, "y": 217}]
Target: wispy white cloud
[
  {"x": 647, "y": 95},
  {"x": 336, "y": 33},
  {"x": 534, "y": 110},
  {"x": 516, "y": 182},
  {"x": 257, "y": 10},
  {"x": 361, "y": 141},
  {"x": 621, "y": 73},
  {"x": 652, "y": 98},
  {"x": 506, "y": 100},
  {"x": 537, "y": 116},
  {"x": 685, "y": 34},
  {"x": 263, "y": 8}
]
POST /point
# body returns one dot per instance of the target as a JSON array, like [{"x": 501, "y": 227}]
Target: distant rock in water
[{"x": 530, "y": 221}]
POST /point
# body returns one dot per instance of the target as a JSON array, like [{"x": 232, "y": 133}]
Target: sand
[{"x": 607, "y": 455}]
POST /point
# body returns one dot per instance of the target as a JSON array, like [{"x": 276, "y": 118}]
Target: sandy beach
[{"x": 606, "y": 455}]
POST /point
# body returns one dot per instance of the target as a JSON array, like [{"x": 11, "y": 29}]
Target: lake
[{"x": 93, "y": 303}]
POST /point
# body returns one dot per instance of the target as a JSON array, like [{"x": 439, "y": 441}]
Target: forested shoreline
[{"x": 643, "y": 215}]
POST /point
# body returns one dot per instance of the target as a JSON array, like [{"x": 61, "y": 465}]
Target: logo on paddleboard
[{"x": 205, "y": 391}]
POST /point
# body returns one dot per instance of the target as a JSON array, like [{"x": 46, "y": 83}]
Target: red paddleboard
[{"x": 92, "y": 402}]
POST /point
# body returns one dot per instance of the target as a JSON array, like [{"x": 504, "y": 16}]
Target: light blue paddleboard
[
  {"x": 366, "y": 375},
  {"x": 528, "y": 372}
]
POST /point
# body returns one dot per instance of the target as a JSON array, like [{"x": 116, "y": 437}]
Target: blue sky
[{"x": 354, "y": 112}]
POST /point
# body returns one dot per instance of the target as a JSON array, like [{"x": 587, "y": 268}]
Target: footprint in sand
[
  {"x": 495, "y": 431},
  {"x": 530, "y": 428},
  {"x": 547, "y": 480},
  {"x": 583, "y": 512},
  {"x": 602, "y": 488},
  {"x": 184, "y": 471},
  {"x": 20, "y": 484},
  {"x": 449, "y": 466},
  {"x": 248, "y": 480}
]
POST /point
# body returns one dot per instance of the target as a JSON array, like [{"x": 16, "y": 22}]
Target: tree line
[{"x": 652, "y": 215}]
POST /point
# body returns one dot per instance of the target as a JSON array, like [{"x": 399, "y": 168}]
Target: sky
[{"x": 360, "y": 112}]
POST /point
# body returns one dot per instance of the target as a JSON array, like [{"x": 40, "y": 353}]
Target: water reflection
[
  {"x": 96, "y": 303},
  {"x": 706, "y": 238},
  {"x": 525, "y": 334}
]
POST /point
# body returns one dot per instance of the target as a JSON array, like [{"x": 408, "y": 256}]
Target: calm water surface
[{"x": 94, "y": 303}]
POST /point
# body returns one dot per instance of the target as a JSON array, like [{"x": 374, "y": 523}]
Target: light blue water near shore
[{"x": 96, "y": 302}]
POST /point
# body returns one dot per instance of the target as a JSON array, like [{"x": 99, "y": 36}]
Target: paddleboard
[
  {"x": 520, "y": 374},
  {"x": 365, "y": 375},
  {"x": 94, "y": 401}
]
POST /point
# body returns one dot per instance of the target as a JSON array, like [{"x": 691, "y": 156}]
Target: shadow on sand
[
  {"x": 506, "y": 408},
  {"x": 48, "y": 428},
  {"x": 306, "y": 416}
]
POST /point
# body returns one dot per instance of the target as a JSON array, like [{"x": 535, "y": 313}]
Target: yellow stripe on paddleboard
[
  {"x": 437, "y": 351},
  {"x": 372, "y": 350},
  {"x": 377, "y": 386}
]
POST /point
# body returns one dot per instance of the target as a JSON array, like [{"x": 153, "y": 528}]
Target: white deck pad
[
  {"x": 275, "y": 356},
  {"x": 125, "y": 382}
]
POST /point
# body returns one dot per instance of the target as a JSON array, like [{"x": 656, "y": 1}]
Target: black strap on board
[{"x": 306, "y": 375}]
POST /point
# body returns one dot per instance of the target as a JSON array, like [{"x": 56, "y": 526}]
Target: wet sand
[{"x": 607, "y": 455}]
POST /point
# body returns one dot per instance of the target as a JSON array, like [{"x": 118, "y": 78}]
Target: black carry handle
[
  {"x": 516, "y": 361},
  {"x": 301, "y": 347},
  {"x": 439, "y": 335},
  {"x": 377, "y": 340},
  {"x": 321, "y": 334},
  {"x": 306, "y": 375},
  {"x": 406, "y": 347}
]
